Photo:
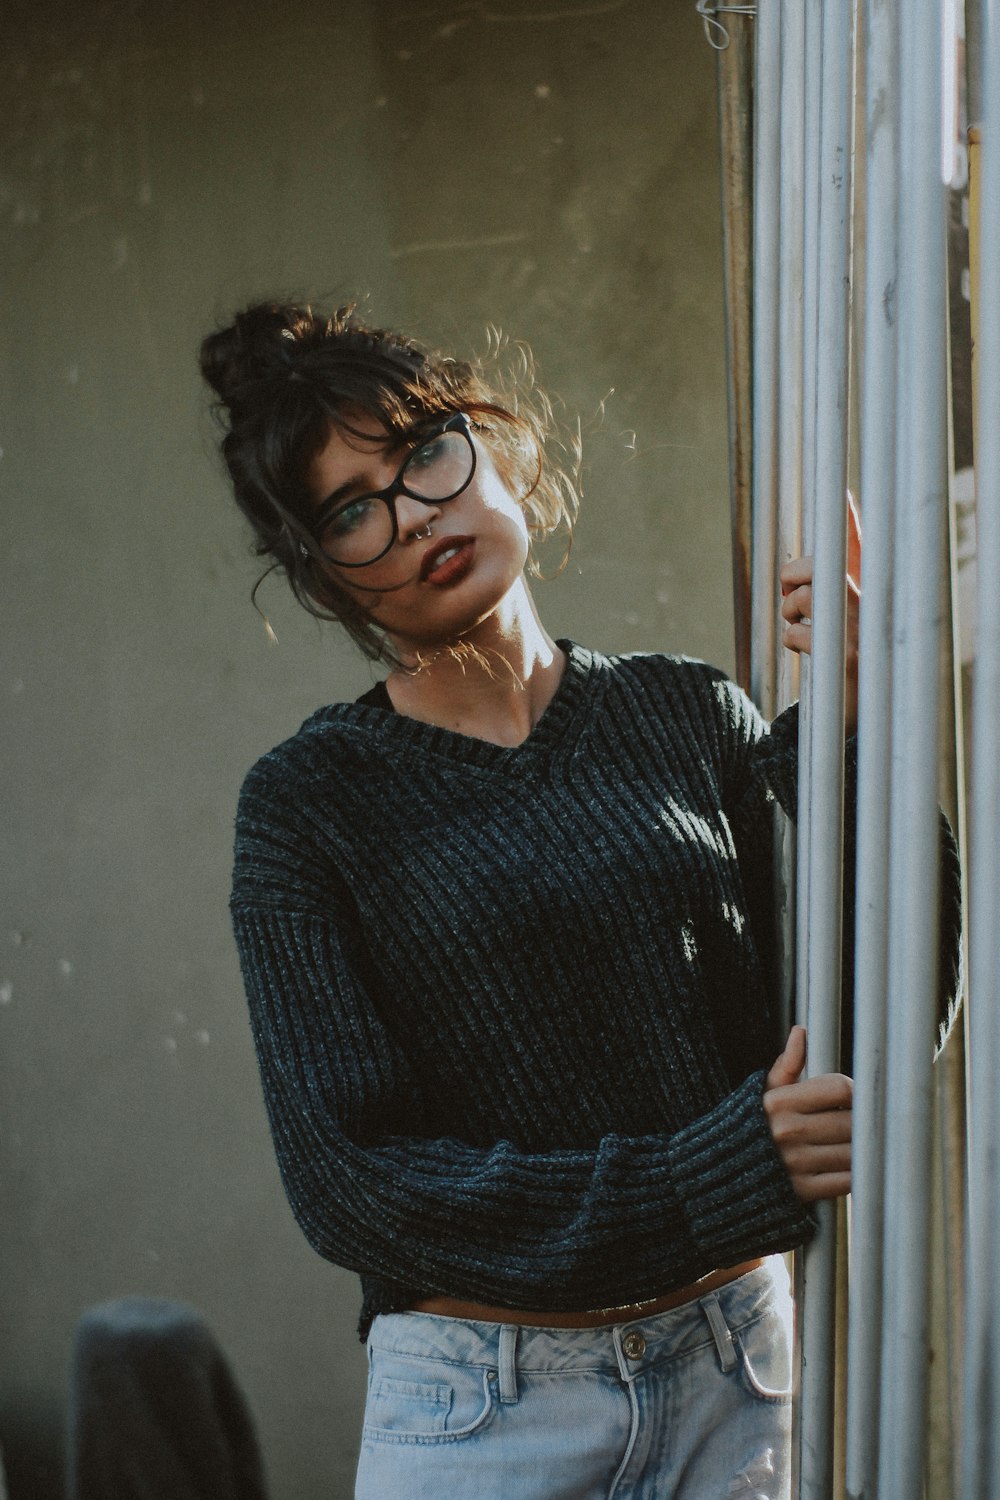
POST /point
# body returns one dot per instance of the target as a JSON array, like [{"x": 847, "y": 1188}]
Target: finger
[
  {"x": 804, "y": 1132},
  {"x": 815, "y": 1096},
  {"x": 798, "y": 1112},
  {"x": 819, "y": 1163},
  {"x": 797, "y": 605},
  {"x": 788, "y": 1067},
  {"x": 816, "y": 1189},
  {"x": 797, "y": 570},
  {"x": 798, "y": 638}
]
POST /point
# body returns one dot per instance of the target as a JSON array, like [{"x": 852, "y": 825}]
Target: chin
[
  {"x": 459, "y": 612},
  {"x": 451, "y": 633}
]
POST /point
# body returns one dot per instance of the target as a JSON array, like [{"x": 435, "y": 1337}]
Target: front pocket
[
  {"x": 766, "y": 1357},
  {"x": 408, "y": 1406},
  {"x": 408, "y": 1411}
]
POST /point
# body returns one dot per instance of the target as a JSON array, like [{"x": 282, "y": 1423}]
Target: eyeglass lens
[{"x": 362, "y": 529}]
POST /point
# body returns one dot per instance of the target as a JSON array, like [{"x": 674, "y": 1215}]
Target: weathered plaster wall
[{"x": 550, "y": 169}]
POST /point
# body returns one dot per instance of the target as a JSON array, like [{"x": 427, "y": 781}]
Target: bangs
[{"x": 328, "y": 392}]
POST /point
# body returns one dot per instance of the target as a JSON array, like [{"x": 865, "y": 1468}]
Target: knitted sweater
[{"x": 513, "y": 1006}]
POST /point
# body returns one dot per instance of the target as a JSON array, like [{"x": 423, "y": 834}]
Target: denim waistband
[{"x": 551, "y": 1350}]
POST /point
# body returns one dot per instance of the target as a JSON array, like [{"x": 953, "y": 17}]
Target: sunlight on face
[{"x": 453, "y": 561}]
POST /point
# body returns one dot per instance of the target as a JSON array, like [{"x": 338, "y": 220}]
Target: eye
[
  {"x": 350, "y": 517},
  {"x": 428, "y": 454}
]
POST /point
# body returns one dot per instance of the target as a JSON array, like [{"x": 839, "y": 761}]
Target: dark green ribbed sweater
[{"x": 512, "y": 1006}]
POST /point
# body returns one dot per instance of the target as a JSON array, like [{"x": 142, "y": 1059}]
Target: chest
[
  {"x": 591, "y": 916},
  {"x": 495, "y": 864}
]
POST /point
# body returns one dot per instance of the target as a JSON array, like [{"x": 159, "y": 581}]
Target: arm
[
  {"x": 796, "y": 609},
  {"x": 809, "y": 1119},
  {"x": 626, "y": 1220}
]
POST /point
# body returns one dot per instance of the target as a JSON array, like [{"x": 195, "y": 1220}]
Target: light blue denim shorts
[{"x": 692, "y": 1404}]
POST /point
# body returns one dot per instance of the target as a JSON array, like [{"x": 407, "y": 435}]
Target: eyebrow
[
  {"x": 342, "y": 491},
  {"x": 357, "y": 482}
]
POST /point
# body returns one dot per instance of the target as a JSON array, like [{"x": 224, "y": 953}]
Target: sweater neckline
[{"x": 559, "y": 728}]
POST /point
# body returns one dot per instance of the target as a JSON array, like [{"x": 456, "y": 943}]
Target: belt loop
[
  {"x": 505, "y": 1360},
  {"x": 720, "y": 1331}
]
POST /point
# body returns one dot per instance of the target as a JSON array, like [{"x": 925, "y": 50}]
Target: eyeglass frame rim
[{"x": 459, "y": 421}]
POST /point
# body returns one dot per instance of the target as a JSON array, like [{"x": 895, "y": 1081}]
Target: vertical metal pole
[
  {"x": 921, "y": 495},
  {"x": 805, "y": 1284},
  {"x": 788, "y": 534},
  {"x": 813, "y": 75},
  {"x": 789, "y": 528},
  {"x": 767, "y": 167},
  {"x": 791, "y": 235},
  {"x": 811, "y": 259},
  {"x": 974, "y": 12},
  {"x": 807, "y": 1269},
  {"x": 764, "y": 645},
  {"x": 877, "y": 445},
  {"x": 734, "y": 70},
  {"x": 981, "y": 1443},
  {"x": 826, "y": 738}
]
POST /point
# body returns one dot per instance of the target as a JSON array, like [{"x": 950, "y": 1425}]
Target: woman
[{"x": 503, "y": 925}]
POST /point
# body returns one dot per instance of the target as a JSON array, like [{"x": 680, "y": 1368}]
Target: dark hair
[{"x": 284, "y": 374}]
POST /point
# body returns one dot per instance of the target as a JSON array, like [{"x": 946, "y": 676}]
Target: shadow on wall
[{"x": 548, "y": 168}]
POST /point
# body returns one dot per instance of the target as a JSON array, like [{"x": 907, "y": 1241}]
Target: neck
[{"x": 494, "y": 683}]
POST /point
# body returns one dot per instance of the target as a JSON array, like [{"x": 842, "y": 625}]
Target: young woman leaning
[{"x": 505, "y": 928}]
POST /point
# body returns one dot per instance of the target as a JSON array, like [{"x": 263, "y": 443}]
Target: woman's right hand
[{"x": 810, "y": 1121}]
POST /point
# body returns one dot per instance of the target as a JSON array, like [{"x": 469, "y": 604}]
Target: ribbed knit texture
[{"x": 513, "y": 1006}]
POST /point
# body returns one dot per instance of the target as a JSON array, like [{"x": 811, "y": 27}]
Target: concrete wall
[{"x": 548, "y": 168}]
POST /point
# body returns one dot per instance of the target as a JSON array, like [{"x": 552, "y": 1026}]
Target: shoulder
[
  {"x": 689, "y": 697},
  {"x": 663, "y": 666},
  {"x": 333, "y": 744},
  {"x": 684, "y": 683},
  {"x": 299, "y": 808}
]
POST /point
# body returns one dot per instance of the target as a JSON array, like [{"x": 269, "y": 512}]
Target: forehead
[{"x": 348, "y": 454}]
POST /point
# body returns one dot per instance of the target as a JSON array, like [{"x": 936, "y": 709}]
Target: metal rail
[
  {"x": 765, "y": 404},
  {"x": 877, "y": 445},
  {"x": 734, "y": 71},
  {"x": 981, "y": 1441},
  {"x": 827, "y": 360},
  {"x": 806, "y": 63},
  {"x": 921, "y": 497}
]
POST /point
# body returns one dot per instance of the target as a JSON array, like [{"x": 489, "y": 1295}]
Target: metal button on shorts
[{"x": 633, "y": 1346}]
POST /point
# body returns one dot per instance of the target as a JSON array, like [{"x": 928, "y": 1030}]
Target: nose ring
[{"x": 420, "y": 535}]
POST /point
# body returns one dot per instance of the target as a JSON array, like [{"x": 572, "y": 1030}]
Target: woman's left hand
[{"x": 796, "y": 609}]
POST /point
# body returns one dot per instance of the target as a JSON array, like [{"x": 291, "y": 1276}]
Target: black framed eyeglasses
[{"x": 353, "y": 533}]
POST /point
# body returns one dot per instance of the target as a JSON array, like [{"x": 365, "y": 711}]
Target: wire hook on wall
[{"x": 715, "y": 33}]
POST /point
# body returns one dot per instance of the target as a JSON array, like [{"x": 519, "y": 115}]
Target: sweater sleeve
[
  {"x": 761, "y": 769},
  {"x": 563, "y": 1229}
]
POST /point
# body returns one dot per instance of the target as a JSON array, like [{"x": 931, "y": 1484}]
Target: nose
[{"x": 412, "y": 515}]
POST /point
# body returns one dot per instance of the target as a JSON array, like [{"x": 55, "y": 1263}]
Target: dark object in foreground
[{"x": 155, "y": 1412}]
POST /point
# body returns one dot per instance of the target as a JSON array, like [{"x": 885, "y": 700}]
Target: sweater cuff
[{"x": 736, "y": 1193}]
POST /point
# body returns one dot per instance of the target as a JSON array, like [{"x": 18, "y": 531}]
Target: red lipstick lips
[{"x": 457, "y": 554}]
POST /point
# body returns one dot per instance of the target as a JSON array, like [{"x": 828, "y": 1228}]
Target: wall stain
[{"x": 421, "y": 247}]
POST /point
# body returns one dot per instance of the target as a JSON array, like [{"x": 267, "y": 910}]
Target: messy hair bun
[
  {"x": 270, "y": 341},
  {"x": 283, "y": 375},
  {"x": 249, "y": 349}
]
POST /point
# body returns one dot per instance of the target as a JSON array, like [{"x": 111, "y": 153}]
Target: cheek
[
  {"x": 503, "y": 517},
  {"x": 344, "y": 591},
  {"x": 505, "y": 539}
]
